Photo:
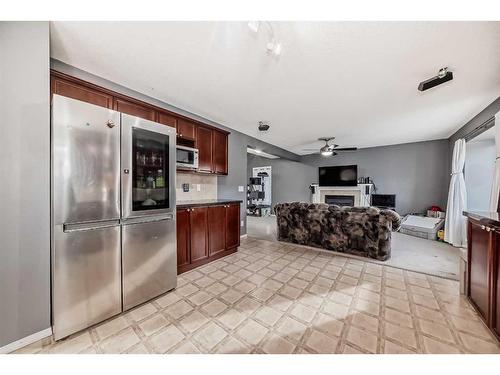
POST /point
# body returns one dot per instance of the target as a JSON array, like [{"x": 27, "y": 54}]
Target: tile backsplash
[{"x": 207, "y": 184}]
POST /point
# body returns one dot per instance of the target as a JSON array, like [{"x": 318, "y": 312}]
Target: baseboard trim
[
  {"x": 244, "y": 235},
  {"x": 13, "y": 346}
]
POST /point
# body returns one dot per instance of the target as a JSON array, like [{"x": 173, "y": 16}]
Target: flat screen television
[
  {"x": 384, "y": 200},
  {"x": 342, "y": 175}
]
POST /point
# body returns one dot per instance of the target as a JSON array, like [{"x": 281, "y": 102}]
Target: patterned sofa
[{"x": 364, "y": 231}]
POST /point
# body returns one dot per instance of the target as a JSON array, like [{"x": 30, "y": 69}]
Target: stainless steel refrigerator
[{"x": 113, "y": 213}]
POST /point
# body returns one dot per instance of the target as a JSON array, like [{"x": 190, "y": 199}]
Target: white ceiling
[{"x": 353, "y": 80}]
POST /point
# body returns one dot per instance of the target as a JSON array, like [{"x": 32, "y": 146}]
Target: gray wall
[
  {"x": 416, "y": 172},
  {"x": 24, "y": 167},
  {"x": 479, "y": 170},
  {"x": 290, "y": 179},
  {"x": 227, "y": 186}
]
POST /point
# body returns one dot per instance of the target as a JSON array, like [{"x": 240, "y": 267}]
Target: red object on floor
[{"x": 435, "y": 208}]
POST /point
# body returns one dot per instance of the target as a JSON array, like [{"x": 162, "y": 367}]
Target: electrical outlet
[
  {"x": 241, "y": 189},
  {"x": 198, "y": 187}
]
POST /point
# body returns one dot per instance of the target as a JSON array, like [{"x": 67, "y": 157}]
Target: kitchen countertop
[
  {"x": 206, "y": 202},
  {"x": 484, "y": 217}
]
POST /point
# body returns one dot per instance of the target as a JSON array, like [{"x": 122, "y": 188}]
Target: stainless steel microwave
[{"x": 187, "y": 157}]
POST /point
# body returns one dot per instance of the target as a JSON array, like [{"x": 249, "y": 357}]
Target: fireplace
[{"x": 340, "y": 200}]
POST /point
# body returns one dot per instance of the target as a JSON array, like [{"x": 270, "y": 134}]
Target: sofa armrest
[{"x": 393, "y": 217}]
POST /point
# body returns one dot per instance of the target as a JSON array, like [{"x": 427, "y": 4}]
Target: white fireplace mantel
[{"x": 361, "y": 193}]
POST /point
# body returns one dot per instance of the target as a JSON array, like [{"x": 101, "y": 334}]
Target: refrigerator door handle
[
  {"x": 78, "y": 227},
  {"x": 147, "y": 219}
]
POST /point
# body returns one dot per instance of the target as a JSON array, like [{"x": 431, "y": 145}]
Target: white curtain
[
  {"x": 455, "y": 228},
  {"x": 495, "y": 189}
]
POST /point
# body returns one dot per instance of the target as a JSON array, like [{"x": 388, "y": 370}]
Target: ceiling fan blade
[
  {"x": 346, "y": 149},
  {"x": 309, "y": 149}
]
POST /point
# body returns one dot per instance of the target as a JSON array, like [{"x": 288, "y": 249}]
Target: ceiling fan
[{"x": 328, "y": 149}]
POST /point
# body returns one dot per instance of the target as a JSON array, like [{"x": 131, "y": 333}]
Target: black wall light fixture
[{"x": 443, "y": 76}]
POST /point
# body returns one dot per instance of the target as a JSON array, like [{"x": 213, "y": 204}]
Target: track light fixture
[
  {"x": 443, "y": 76},
  {"x": 263, "y": 126}
]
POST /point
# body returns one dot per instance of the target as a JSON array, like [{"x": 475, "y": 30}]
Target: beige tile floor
[
  {"x": 272, "y": 297},
  {"x": 407, "y": 252}
]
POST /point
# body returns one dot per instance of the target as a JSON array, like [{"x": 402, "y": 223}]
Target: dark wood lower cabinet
[
  {"x": 478, "y": 259},
  {"x": 183, "y": 238},
  {"x": 198, "y": 223},
  {"x": 206, "y": 233},
  {"x": 216, "y": 229},
  {"x": 496, "y": 323},
  {"x": 233, "y": 225},
  {"x": 484, "y": 272}
]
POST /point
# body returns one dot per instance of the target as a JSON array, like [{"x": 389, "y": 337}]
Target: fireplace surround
[
  {"x": 361, "y": 194},
  {"x": 340, "y": 200}
]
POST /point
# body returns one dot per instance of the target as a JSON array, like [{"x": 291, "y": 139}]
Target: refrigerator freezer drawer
[
  {"x": 149, "y": 259},
  {"x": 86, "y": 278}
]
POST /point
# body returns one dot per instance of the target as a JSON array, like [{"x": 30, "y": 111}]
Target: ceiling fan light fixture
[
  {"x": 326, "y": 152},
  {"x": 254, "y": 26}
]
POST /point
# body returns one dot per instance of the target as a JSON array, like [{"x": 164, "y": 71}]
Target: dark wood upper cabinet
[
  {"x": 186, "y": 129},
  {"x": 216, "y": 229},
  {"x": 198, "y": 220},
  {"x": 232, "y": 226},
  {"x": 166, "y": 119},
  {"x": 78, "y": 92},
  {"x": 134, "y": 109},
  {"x": 204, "y": 146},
  {"x": 183, "y": 238},
  {"x": 211, "y": 142},
  {"x": 220, "y": 152}
]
